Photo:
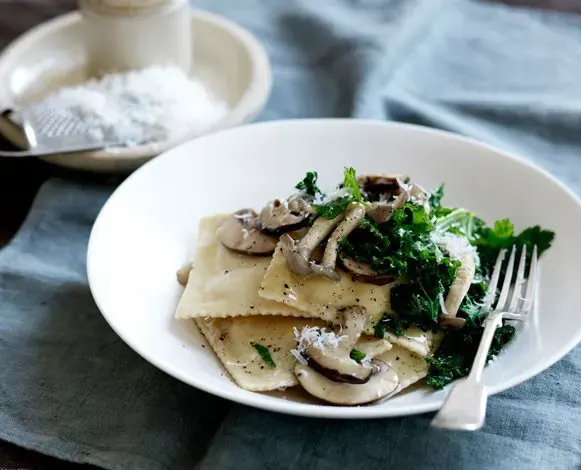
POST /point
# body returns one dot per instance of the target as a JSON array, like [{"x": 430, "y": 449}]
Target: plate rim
[{"x": 303, "y": 409}]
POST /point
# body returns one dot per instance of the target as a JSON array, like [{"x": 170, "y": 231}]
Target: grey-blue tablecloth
[{"x": 70, "y": 388}]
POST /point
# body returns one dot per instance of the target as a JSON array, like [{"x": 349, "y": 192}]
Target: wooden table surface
[{"x": 21, "y": 179}]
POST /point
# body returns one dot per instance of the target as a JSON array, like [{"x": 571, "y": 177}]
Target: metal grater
[{"x": 51, "y": 131}]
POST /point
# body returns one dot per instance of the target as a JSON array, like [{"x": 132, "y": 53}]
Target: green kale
[
  {"x": 455, "y": 355},
  {"x": 357, "y": 355},
  {"x": 436, "y": 199},
  {"x": 309, "y": 184},
  {"x": 334, "y": 208},
  {"x": 502, "y": 236},
  {"x": 470, "y": 307},
  {"x": 337, "y": 206},
  {"x": 350, "y": 183},
  {"x": 459, "y": 222},
  {"x": 403, "y": 247},
  {"x": 264, "y": 353},
  {"x": 392, "y": 323}
]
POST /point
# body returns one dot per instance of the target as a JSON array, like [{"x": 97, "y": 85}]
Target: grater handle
[{"x": 42, "y": 152}]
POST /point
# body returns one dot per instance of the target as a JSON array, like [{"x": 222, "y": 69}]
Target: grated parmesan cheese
[
  {"x": 457, "y": 246},
  {"x": 314, "y": 336},
  {"x": 148, "y": 105}
]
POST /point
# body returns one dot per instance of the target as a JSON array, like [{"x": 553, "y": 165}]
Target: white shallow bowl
[
  {"x": 228, "y": 60},
  {"x": 148, "y": 228}
]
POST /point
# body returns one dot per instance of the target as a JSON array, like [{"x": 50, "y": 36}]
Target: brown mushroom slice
[
  {"x": 448, "y": 322},
  {"x": 354, "y": 319},
  {"x": 278, "y": 216},
  {"x": 460, "y": 285},
  {"x": 419, "y": 196},
  {"x": 298, "y": 253},
  {"x": 458, "y": 290},
  {"x": 336, "y": 366},
  {"x": 387, "y": 194},
  {"x": 328, "y": 264},
  {"x": 383, "y": 382},
  {"x": 241, "y": 234},
  {"x": 362, "y": 272},
  {"x": 382, "y": 188},
  {"x": 335, "y": 363},
  {"x": 381, "y": 212}
]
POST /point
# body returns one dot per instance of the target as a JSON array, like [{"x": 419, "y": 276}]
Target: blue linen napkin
[{"x": 70, "y": 388}]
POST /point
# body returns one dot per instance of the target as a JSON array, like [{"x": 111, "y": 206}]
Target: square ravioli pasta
[
  {"x": 322, "y": 297},
  {"x": 232, "y": 340},
  {"x": 223, "y": 283}
]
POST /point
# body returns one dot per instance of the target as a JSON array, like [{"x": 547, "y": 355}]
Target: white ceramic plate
[
  {"x": 228, "y": 60},
  {"x": 148, "y": 229}
]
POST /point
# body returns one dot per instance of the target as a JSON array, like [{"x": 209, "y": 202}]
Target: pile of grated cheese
[
  {"x": 149, "y": 105},
  {"x": 320, "y": 338}
]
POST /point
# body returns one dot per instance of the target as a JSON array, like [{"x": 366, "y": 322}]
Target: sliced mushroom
[
  {"x": 298, "y": 253},
  {"x": 382, "y": 188},
  {"x": 338, "y": 368},
  {"x": 381, "y": 384},
  {"x": 335, "y": 363},
  {"x": 418, "y": 195},
  {"x": 240, "y": 233},
  {"x": 387, "y": 193},
  {"x": 457, "y": 292},
  {"x": 381, "y": 212},
  {"x": 448, "y": 322},
  {"x": 327, "y": 267},
  {"x": 362, "y": 272},
  {"x": 285, "y": 216}
]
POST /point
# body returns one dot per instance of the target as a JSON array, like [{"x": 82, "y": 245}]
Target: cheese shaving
[
  {"x": 457, "y": 246},
  {"x": 314, "y": 336}
]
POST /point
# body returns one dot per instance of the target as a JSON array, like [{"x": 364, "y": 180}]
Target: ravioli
[
  {"x": 225, "y": 284},
  {"x": 422, "y": 343},
  {"x": 322, "y": 297},
  {"x": 409, "y": 367},
  {"x": 231, "y": 339}
]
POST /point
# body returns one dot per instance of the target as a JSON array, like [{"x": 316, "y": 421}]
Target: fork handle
[{"x": 465, "y": 407}]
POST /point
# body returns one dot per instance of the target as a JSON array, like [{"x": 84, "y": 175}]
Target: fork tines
[{"x": 519, "y": 305}]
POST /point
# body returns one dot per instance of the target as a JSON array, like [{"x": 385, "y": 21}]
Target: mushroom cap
[
  {"x": 335, "y": 363},
  {"x": 240, "y": 233},
  {"x": 362, "y": 272},
  {"x": 296, "y": 255},
  {"x": 449, "y": 322},
  {"x": 278, "y": 216},
  {"x": 337, "y": 368},
  {"x": 381, "y": 188},
  {"x": 383, "y": 382},
  {"x": 381, "y": 212}
]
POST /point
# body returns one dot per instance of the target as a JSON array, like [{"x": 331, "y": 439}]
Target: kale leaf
[
  {"x": 335, "y": 207},
  {"x": 454, "y": 357},
  {"x": 435, "y": 200},
  {"x": 502, "y": 236},
  {"x": 309, "y": 184}
]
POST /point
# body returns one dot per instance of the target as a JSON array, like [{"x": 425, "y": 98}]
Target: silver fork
[{"x": 465, "y": 407}]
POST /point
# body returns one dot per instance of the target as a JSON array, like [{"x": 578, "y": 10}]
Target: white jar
[{"x": 123, "y": 35}]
